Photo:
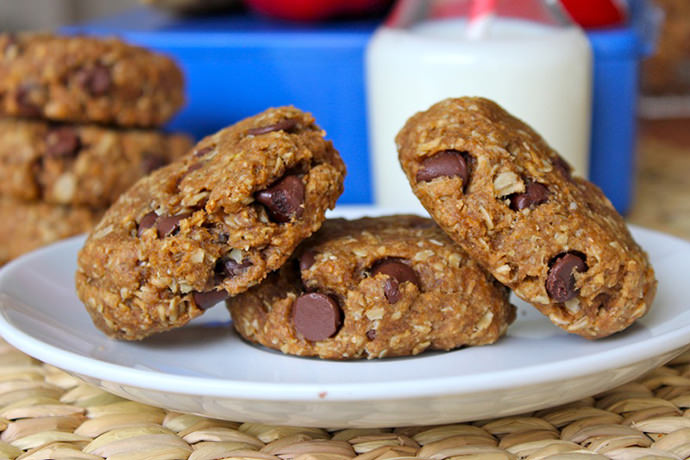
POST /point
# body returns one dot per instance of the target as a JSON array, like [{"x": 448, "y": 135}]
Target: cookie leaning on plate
[
  {"x": 81, "y": 165},
  {"x": 85, "y": 79},
  {"x": 372, "y": 288},
  {"x": 511, "y": 202},
  {"x": 209, "y": 225}
]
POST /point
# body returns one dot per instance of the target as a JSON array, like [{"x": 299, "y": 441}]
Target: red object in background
[
  {"x": 596, "y": 13},
  {"x": 315, "y": 10}
]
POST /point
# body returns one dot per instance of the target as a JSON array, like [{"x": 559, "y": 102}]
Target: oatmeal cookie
[
  {"x": 25, "y": 226},
  {"x": 85, "y": 79},
  {"x": 371, "y": 288},
  {"x": 83, "y": 165},
  {"x": 209, "y": 225},
  {"x": 509, "y": 200}
]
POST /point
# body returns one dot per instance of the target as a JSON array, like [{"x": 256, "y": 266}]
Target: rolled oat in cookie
[
  {"x": 509, "y": 200},
  {"x": 209, "y": 225},
  {"x": 79, "y": 165},
  {"x": 374, "y": 288},
  {"x": 87, "y": 80}
]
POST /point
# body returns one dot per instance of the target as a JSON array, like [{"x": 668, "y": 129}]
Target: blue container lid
[
  {"x": 635, "y": 40},
  {"x": 232, "y": 29},
  {"x": 616, "y": 43}
]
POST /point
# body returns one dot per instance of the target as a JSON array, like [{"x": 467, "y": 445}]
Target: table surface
[{"x": 662, "y": 193}]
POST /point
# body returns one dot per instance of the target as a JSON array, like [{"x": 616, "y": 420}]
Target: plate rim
[{"x": 423, "y": 387}]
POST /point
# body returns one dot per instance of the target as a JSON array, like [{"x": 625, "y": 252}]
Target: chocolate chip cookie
[
  {"x": 25, "y": 226},
  {"x": 510, "y": 201},
  {"x": 372, "y": 288},
  {"x": 209, "y": 225},
  {"x": 81, "y": 165},
  {"x": 84, "y": 79}
]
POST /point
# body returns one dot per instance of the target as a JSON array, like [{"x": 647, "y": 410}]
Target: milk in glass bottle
[{"x": 524, "y": 54}]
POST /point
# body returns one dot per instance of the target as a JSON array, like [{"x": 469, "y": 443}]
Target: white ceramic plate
[{"x": 205, "y": 368}]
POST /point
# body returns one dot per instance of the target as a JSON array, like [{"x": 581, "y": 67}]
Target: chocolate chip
[
  {"x": 399, "y": 272},
  {"x": 62, "y": 142},
  {"x": 284, "y": 199},
  {"x": 146, "y": 222},
  {"x": 203, "y": 151},
  {"x": 561, "y": 166},
  {"x": 222, "y": 238},
  {"x": 152, "y": 161},
  {"x": 534, "y": 194},
  {"x": 194, "y": 167},
  {"x": 190, "y": 168},
  {"x": 371, "y": 334},
  {"x": 288, "y": 125},
  {"x": 316, "y": 316},
  {"x": 421, "y": 222},
  {"x": 227, "y": 267},
  {"x": 27, "y": 107},
  {"x": 36, "y": 168},
  {"x": 391, "y": 289},
  {"x": 447, "y": 163},
  {"x": 560, "y": 282},
  {"x": 169, "y": 225},
  {"x": 207, "y": 299},
  {"x": 96, "y": 80},
  {"x": 306, "y": 260}
]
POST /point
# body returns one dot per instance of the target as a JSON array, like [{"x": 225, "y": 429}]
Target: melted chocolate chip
[
  {"x": 151, "y": 161},
  {"x": 421, "y": 222},
  {"x": 170, "y": 225},
  {"x": 307, "y": 259},
  {"x": 96, "y": 80},
  {"x": 316, "y": 316},
  {"x": 205, "y": 300},
  {"x": 27, "y": 107},
  {"x": 288, "y": 125},
  {"x": 227, "y": 267},
  {"x": 391, "y": 289},
  {"x": 190, "y": 168},
  {"x": 194, "y": 167},
  {"x": 534, "y": 194},
  {"x": 203, "y": 151},
  {"x": 447, "y": 163},
  {"x": 562, "y": 166},
  {"x": 398, "y": 272},
  {"x": 560, "y": 282},
  {"x": 371, "y": 334},
  {"x": 146, "y": 222},
  {"x": 284, "y": 199},
  {"x": 62, "y": 142},
  {"x": 36, "y": 168}
]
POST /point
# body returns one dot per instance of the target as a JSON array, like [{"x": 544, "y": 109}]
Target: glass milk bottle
[{"x": 524, "y": 54}]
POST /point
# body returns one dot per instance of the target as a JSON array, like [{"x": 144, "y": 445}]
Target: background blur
[
  {"x": 24, "y": 14},
  {"x": 662, "y": 190}
]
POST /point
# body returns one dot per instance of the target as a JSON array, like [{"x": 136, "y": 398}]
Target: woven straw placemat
[{"x": 48, "y": 414}]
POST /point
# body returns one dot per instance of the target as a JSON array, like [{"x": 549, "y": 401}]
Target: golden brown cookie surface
[
  {"x": 81, "y": 165},
  {"x": 87, "y": 80},
  {"x": 510, "y": 201},
  {"x": 25, "y": 226},
  {"x": 209, "y": 225},
  {"x": 374, "y": 287}
]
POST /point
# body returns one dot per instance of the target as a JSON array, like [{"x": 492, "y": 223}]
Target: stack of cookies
[
  {"x": 241, "y": 218},
  {"x": 77, "y": 129}
]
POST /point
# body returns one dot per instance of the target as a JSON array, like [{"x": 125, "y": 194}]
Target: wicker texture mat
[{"x": 47, "y": 414}]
